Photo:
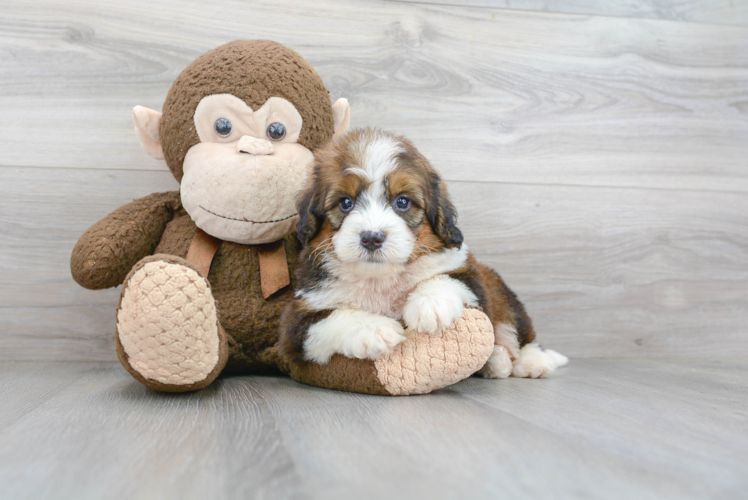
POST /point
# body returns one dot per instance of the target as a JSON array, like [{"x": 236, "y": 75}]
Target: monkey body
[{"x": 250, "y": 320}]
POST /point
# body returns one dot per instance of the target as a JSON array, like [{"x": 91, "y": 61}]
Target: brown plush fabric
[
  {"x": 223, "y": 352},
  {"x": 107, "y": 251},
  {"x": 340, "y": 374},
  {"x": 251, "y": 70}
]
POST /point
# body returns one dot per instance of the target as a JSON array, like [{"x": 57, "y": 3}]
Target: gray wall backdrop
[{"x": 597, "y": 151}]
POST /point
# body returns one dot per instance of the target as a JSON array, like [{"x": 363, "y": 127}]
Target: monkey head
[{"x": 237, "y": 131}]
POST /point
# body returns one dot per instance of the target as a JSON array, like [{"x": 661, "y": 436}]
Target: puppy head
[{"x": 377, "y": 202}]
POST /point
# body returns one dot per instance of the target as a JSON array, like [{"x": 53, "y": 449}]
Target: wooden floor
[{"x": 637, "y": 428}]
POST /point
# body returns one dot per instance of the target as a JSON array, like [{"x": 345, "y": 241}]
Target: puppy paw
[
  {"x": 536, "y": 362},
  {"x": 375, "y": 340},
  {"x": 352, "y": 333},
  {"x": 433, "y": 307}
]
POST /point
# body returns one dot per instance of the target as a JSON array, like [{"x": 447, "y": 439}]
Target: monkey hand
[{"x": 107, "y": 251}]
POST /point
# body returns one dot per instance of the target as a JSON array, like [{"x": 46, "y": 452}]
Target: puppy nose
[
  {"x": 254, "y": 146},
  {"x": 371, "y": 240}
]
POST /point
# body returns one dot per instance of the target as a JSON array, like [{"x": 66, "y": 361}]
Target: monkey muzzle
[
  {"x": 254, "y": 146},
  {"x": 245, "y": 191}
]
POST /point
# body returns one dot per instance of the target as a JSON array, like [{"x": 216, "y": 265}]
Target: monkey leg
[
  {"x": 421, "y": 364},
  {"x": 168, "y": 334}
]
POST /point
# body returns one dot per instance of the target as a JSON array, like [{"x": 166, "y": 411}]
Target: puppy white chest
[
  {"x": 385, "y": 296},
  {"x": 384, "y": 290}
]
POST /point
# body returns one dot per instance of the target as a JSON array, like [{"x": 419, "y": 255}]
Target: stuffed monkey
[{"x": 206, "y": 271}]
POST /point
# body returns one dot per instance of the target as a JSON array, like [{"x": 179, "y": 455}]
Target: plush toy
[{"x": 206, "y": 271}]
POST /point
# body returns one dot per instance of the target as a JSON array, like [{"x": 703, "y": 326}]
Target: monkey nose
[{"x": 254, "y": 146}]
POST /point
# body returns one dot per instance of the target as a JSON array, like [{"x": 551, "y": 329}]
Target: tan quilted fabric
[
  {"x": 425, "y": 363},
  {"x": 167, "y": 324}
]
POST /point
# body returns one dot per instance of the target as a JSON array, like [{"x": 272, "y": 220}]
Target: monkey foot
[
  {"x": 168, "y": 335},
  {"x": 427, "y": 362},
  {"x": 421, "y": 364}
]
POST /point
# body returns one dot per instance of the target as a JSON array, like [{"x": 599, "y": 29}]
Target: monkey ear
[
  {"x": 341, "y": 115},
  {"x": 442, "y": 215},
  {"x": 311, "y": 213},
  {"x": 147, "y": 122}
]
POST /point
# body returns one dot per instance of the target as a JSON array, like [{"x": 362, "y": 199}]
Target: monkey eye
[
  {"x": 346, "y": 204},
  {"x": 223, "y": 127},
  {"x": 402, "y": 203},
  {"x": 276, "y": 131}
]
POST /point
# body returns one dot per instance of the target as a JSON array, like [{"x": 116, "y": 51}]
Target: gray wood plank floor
[{"x": 600, "y": 429}]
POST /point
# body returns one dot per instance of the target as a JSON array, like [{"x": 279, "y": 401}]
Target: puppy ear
[
  {"x": 310, "y": 207},
  {"x": 442, "y": 214}
]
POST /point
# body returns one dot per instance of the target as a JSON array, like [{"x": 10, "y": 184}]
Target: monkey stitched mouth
[{"x": 248, "y": 220}]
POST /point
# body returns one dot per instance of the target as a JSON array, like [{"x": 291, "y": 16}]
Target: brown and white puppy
[{"x": 382, "y": 248}]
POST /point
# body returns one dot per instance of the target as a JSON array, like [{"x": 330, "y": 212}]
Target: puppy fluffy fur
[{"x": 382, "y": 250}]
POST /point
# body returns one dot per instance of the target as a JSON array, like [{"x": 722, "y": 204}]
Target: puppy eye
[
  {"x": 402, "y": 203},
  {"x": 223, "y": 127},
  {"x": 346, "y": 204},
  {"x": 276, "y": 131}
]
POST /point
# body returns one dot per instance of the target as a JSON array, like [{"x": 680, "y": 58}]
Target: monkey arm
[{"x": 107, "y": 251}]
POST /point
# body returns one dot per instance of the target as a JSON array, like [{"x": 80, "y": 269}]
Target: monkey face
[
  {"x": 237, "y": 131},
  {"x": 241, "y": 179}
]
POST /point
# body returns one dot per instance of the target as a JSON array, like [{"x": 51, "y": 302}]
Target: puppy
[{"x": 381, "y": 246}]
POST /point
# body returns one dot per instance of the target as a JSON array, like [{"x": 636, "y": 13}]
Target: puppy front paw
[
  {"x": 352, "y": 333},
  {"x": 432, "y": 309},
  {"x": 374, "y": 340}
]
